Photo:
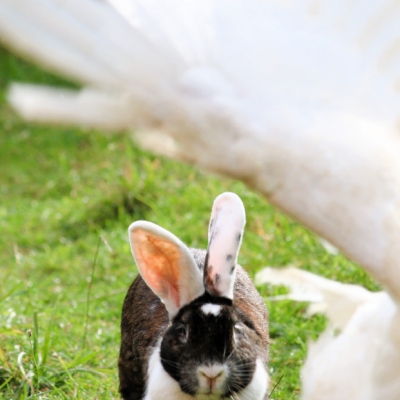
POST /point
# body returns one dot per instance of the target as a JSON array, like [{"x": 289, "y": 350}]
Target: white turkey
[{"x": 299, "y": 99}]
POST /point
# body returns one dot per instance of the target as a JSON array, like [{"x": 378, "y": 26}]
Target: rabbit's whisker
[{"x": 172, "y": 363}]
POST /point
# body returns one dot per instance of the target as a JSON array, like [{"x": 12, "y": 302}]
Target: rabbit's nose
[{"x": 212, "y": 377}]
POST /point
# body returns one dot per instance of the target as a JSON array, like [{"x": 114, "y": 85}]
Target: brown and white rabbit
[{"x": 193, "y": 325}]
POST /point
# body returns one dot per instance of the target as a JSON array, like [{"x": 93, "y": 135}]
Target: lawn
[{"x": 67, "y": 198}]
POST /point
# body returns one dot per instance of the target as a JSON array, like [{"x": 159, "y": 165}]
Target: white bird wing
[
  {"x": 345, "y": 365},
  {"x": 362, "y": 360},
  {"x": 300, "y": 99},
  {"x": 337, "y": 300}
]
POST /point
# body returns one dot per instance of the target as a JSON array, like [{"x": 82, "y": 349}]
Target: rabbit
[{"x": 193, "y": 324}]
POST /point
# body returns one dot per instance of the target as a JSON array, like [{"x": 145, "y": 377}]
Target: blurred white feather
[
  {"x": 298, "y": 98},
  {"x": 336, "y": 300},
  {"x": 361, "y": 360}
]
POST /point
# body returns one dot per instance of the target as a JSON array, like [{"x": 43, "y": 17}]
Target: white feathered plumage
[{"x": 299, "y": 99}]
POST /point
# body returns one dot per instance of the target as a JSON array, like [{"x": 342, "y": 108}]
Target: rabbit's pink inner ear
[{"x": 158, "y": 261}]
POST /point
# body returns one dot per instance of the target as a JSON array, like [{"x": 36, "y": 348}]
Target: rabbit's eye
[
  {"x": 238, "y": 331},
  {"x": 238, "y": 328},
  {"x": 181, "y": 331}
]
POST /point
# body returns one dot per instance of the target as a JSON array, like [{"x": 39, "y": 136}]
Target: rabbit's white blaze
[
  {"x": 212, "y": 378},
  {"x": 209, "y": 308}
]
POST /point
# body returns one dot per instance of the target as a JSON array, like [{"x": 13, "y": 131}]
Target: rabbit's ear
[
  {"x": 166, "y": 265},
  {"x": 224, "y": 239}
]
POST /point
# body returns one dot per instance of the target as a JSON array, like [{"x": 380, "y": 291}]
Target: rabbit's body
[
  {"x": 211, "y": 347},
  {"x": 141, "y": 332}
]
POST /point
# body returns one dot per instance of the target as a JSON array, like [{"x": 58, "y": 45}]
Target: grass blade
[
  {"x": 46, "y": 343},
  {"x": 89, "y": 290}
]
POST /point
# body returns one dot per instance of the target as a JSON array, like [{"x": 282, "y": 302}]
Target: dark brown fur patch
[
  {"x": 209, "y": 283},
  {"x": 144, "y": 319}
]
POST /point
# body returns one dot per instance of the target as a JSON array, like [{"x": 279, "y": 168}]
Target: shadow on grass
[{"x": 102, "y": 213}]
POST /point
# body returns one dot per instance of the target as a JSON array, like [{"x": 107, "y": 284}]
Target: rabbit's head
[{"x": 212, "y": 348}]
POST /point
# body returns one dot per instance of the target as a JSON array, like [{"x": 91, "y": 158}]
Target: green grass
[{"x": 67, "y": 198}]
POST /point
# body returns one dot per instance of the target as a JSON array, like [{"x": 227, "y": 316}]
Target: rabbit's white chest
[{"x": 161, "y": 386}]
